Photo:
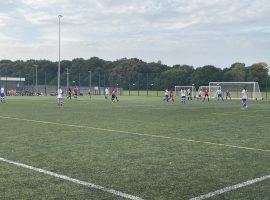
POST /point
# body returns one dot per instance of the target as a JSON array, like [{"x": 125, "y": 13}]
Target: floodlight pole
[
  {"x": 79, "y": 83},
  {"x": 45, "y": 81},
  {"x": 58, "y": 77},
  {"x": 267, "y": 80},
  {"x": 6, "y": 81},
  {"x": 90, "y": 79},
  {"x": 20, "y": 80},
  {"x": 147, "y": 83},
  {"x": 104, "y": 82},
  {"x": 266, "y": 88},
  {"x": 99, "y": 83},
  {"x": 27, "y": 79},
  {"x": 192, "y": 92},
  {"x": 36, "y": 78},
  {"x": 138, "y": 84},
  {"x": 129, "y": 88},
  {"x": 67, "y": 79}
]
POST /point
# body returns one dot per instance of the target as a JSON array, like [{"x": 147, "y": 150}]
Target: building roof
[{"x": 12, "y": 79}]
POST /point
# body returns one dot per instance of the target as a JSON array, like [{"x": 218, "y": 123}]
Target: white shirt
[
  {"x": 166, "y": 93},
  {"x": 244, "y": 94},
  {"x": 60, "y": 94},
  {"x": 219, "y": 91},
  {"x": 183, "y": 93},
  {"x": 107, "y": 91},
  {"x": 2, "y": 90}
]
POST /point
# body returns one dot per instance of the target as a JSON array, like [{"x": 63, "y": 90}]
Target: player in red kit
[
  {"x": 114, "y": 95},
  {"x": 171, "y": 95},
  {"x": 75, "y": 92},
  {"x": 206, "y": 94}
]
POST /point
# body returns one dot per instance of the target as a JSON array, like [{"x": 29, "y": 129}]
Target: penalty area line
[
  {"x": 87, "y": 184},
  {"x": 231, "y": 188}
]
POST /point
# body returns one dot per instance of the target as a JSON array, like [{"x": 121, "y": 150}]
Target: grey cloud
[{"x": 171, "y": 30}]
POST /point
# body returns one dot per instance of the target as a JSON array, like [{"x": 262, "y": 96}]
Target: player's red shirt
[
  {"x": 75, "y": 91},
  {"x": 113, "y": 92},
  {"x": 205, "y": 92}
]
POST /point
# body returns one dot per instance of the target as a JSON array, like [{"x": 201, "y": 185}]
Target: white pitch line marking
[
  {"x": 140, "y": 134},
  {"x": 230, "y": 188},
  {"x": 87, "y": 184}
]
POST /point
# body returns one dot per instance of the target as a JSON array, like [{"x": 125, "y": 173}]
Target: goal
[
  {"x": 192, "y": 88},
  {"x": 212, "y": 91},
  {"x": 235, "y": 89}
]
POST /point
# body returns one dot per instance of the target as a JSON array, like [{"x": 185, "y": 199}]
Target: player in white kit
[{"x": 3, "y": 95}]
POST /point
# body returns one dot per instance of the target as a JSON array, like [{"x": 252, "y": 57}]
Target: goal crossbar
[{"x": 235, "y": 89}]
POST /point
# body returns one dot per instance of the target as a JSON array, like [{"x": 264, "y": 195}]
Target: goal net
[
  {"x": 192, "y": 90},
  {"x": 212, "y": 90},
  {"x": 235, "y": 89}
]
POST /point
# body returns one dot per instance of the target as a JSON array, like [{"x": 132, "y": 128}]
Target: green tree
[
  {"x": 259, "y": 73},
  {"x": 236, "y": 73},
  {"x": 204, "y": 75}
]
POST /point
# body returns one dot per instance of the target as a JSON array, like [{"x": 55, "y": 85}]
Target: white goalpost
[
  {"x": 235, "y": 89},
  {"x": 212, "y": 91},
  {"x": 192, "y": 89}
]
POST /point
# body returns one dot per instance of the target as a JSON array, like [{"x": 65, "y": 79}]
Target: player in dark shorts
[
  {"x": 69, "y": 93},
  {"x": 89, "y": 93},
  {"x": 114, "y": 95},
  {"x": 228, "y": 94},
  {"x": 206, "y": 94}
]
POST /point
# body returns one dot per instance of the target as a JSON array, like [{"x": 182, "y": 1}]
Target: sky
[{"x": 192, "y": 32}]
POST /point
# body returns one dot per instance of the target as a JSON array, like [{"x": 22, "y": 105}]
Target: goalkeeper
[{"x": 206, "y": 95}]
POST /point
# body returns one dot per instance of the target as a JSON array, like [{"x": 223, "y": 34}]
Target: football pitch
[{"x": 137, "y": 148}]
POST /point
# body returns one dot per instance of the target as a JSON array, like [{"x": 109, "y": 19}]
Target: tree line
[{"x": 130, "y": 73}]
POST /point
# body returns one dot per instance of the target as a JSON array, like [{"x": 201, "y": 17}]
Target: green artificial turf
[{"x": 140, "y": 146}]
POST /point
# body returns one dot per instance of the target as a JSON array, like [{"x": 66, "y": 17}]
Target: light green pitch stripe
[
  {"x": 60, "y": 176},
  {"x": 141, "y": 134}
]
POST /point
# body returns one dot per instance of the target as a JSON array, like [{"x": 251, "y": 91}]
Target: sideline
[
  {"x": 141, "y": 134},
  {"x": 230, "y": 188},
  {"x": 87, "y": 184}
]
